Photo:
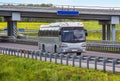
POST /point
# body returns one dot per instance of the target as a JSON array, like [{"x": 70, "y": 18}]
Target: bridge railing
[
  {"x": 62, "y": 6},
  {"x": 106, "y": 46},
  {"x": 109, "y": 64}
]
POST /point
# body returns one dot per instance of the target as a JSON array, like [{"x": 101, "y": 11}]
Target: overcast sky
[{"x": 104, "y": 3}]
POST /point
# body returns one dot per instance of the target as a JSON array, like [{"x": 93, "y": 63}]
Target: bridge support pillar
[
  {"x": 12, "y": 24},
  {"x": 108, "y": 28},
  {"x": 103, "y": 32},
  {"x": 12, "y": 29},
  {"x": 113, "y": 32},
  {"x": 108, "y": 31}
]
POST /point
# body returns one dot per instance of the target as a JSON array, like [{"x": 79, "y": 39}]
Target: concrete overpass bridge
[{"x": 107, "y": 17}]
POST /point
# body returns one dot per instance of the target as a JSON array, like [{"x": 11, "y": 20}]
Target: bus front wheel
[{"x": 79, "y": 53}]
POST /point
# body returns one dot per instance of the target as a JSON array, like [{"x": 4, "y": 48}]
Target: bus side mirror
[
  {"x": 39, "y": 33},
  {"x": 59, "y": 32},
  {"x": 86, "y": 34}
]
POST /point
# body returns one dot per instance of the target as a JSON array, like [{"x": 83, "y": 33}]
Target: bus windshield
[{"x": 73, "y": 34}]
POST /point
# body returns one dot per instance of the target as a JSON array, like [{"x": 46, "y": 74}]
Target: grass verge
[{"x": 22, "y": 69}]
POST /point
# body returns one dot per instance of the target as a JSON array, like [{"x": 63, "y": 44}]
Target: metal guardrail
[
  {"x": 25, "y": 41},
  {"x": 106, "y": 46},
  {"x": 65, "y": 59}
]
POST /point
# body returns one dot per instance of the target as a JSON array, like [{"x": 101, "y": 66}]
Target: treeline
[
  {"x": 40, "y": 20},
  {"x": 1, "y": 19},
  {"x": 46, "y": 20},
  {"x": 39, "y": 5}
]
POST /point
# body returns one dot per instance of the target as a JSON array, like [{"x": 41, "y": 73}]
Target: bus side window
[
  {"x": 86, "y": 34},
  {"x": 48, "y": 33}
]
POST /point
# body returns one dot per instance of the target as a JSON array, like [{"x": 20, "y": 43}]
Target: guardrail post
[
  {"x": 8, "y": 51},
  {"x": 80, "y": 60},
  {"x": 0, "y": 49},
  {"x": 35, "y": 52},
  {"x": 15, "y": 51},
  {"x": 50, "y": 57},
  {"x": 28, "y": 53},
  {"x": 113, "y": 65},
  {"x": 73, "y": 60},
  {"x": 40, "y": 55},
  {"x": 55, "y": 58},
  {"x": 20, "y": 53},
  {"x": 3, "y": 50},
  {"x": 12, "y": 52},
  {"x": 32, "y": 53},
  {"x": 96, "y": 60},
  {"x": 45, "y": 53},
  {"x": 24, "y": 51},
  {"x": 88, "y": 59},
  {"x": 67, "y": 58},
  {"x": 104, "y": 64},
  {"x": 61, "y": 58}
]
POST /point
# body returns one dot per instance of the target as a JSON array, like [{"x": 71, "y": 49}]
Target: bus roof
[{"x": 64, "y": 24}]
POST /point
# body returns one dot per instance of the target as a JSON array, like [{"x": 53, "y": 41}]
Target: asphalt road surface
[{"x": 35, "y": 48}]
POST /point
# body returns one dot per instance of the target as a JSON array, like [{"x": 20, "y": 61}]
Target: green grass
[
  {"x": 22, "y": 69},
  {"x": 98, "y": 36}
]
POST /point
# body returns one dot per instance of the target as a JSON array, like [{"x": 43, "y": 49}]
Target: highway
[{"x": 35, "y": 48}]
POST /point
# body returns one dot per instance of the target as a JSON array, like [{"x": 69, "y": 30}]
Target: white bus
[{"x": 62, "y": 37}]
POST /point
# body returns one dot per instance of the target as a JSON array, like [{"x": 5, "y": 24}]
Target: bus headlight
[
  {"x": 63, "y": 45},
  {"x": 83, "y": 45}
]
